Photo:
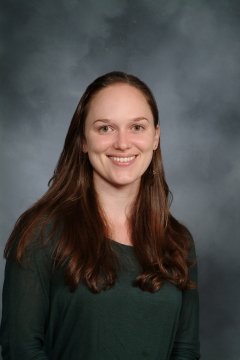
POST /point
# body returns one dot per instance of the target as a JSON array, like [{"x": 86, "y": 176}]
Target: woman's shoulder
[
  {"x": 192, "y": 248},
  {"x": 40, "y": 246}
]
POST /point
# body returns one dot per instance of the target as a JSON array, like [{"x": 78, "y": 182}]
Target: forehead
[{"x": 119, "y": 99}]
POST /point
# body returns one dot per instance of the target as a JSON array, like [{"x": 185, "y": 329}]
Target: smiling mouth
[{"x": 122, "y": 159}]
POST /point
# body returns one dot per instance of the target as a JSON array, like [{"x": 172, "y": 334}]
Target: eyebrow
[{"x": 108, "y": 121}]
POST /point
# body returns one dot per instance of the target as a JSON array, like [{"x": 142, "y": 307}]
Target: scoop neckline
[{"x": 121, "y": 244}]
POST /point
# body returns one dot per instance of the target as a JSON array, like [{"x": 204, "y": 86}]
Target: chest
[
  {"x": 121, "y": 320},
  {"x": 123, "y": 302}
]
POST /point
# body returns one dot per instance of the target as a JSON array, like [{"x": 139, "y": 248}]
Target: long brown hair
[{"x": 79, "y": 229}]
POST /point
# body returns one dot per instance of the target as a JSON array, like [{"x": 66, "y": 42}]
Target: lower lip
[{"x": 118, "y": 163}]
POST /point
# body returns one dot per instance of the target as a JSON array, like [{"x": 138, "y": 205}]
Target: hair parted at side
[{"x": 79, "y": 229}]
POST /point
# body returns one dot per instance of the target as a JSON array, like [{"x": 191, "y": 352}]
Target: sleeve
[
  {"x": 186, "y": 344},
  {"x": 25, "y": 308}
]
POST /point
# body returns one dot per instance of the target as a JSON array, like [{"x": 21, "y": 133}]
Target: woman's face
[{"x": 120, "y": 135}]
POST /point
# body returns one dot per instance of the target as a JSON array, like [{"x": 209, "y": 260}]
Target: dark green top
[{"x": 43, "y": 320}]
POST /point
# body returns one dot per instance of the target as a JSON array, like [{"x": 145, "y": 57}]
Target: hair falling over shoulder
[{"x": 79, "y": 231}]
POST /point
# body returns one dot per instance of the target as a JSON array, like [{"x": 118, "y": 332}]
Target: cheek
[
  {"x": 96, "y": 144},
  {"x": 145, "y": 144}
]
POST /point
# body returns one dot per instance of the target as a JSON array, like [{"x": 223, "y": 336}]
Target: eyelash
[
  {"x": 104, "y": 126},
  {"x": 139, "y": 126},
  {"x": 134, "y": 126}
]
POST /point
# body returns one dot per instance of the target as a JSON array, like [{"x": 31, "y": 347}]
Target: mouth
[{"x": 122, "y": 160}]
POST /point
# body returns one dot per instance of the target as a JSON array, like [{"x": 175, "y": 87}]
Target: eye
[
  {"x": 104, "y": 128},
  {"x": 137, "y": 127}
]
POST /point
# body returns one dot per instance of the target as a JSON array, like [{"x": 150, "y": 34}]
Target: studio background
[{"x": 188, "y": 52}]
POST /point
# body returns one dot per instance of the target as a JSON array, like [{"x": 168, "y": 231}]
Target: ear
[
  {"x": 84, "y": 147},
  {"x": 156, "y": 137}
]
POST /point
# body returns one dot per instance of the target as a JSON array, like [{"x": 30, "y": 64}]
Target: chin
[{"x": 125, "y": 182}]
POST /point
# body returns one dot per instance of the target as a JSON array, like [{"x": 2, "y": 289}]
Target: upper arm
[
  {"x": 186, "y": 345},
  {"x": 25, "y": 308}
]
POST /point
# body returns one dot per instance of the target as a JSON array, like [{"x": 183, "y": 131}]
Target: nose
[{"x": 122, "y": 141}]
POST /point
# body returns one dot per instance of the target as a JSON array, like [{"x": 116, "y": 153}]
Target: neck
[
  {"x": 116, "y": 198},
  {"x": 116, "y": 203}
]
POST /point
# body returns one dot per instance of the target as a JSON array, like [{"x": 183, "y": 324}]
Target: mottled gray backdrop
[{"x": 188, "y": 52}]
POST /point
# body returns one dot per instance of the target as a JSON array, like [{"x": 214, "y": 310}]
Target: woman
[{"x": 98, "y": 268}]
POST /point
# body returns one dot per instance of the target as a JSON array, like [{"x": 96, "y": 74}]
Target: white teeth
[{"x": 122, "y": 159}]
